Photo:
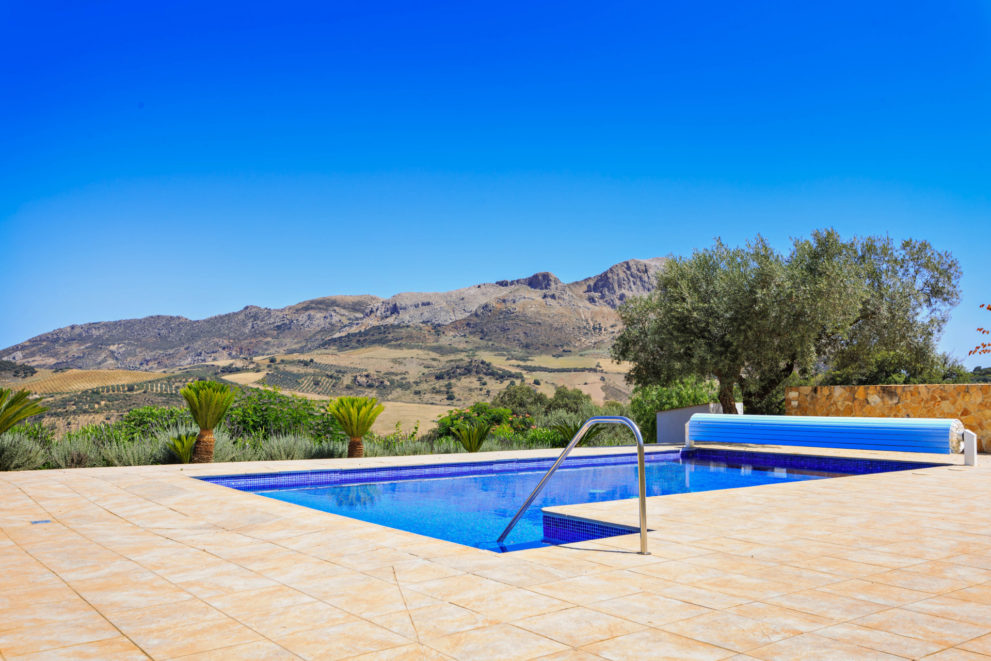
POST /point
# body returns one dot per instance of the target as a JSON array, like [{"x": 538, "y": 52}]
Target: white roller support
[
  {"x": 969, "y": 448},
  {"x": 688, "y": 436}
]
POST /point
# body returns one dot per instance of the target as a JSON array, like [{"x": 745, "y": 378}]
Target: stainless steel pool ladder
[{"x": 599, "y": 420}]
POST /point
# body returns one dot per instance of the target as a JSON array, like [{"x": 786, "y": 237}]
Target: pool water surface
[{"x": 471, "y": 504}]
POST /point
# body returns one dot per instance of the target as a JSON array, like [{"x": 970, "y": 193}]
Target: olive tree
[{"x": 752, "y": 317}]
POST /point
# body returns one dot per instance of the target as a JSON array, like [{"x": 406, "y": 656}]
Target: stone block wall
[{"x": 971, "y": 403}]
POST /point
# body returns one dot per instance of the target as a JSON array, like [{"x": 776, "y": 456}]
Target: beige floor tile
[
  {"x": 881, "y": 641},
  {"x": 578, "y": 626},
  {"x": 680, "y": 571},
  {"x": 512, "y": 604},
  {"x": 571, "y": 655},
  {"x": 412, "y": 652},
  {"x": 657, "y": 646},
  {"x": 175, "y": 614},
  {"x": 780, "y": 616},
  {"x": 443, "y": 619},
  {"x": 978, "y": 593},
  {"x": 922, "y": 625},
  {"x": 955, "y": 609},
  {"x": 650, "y": 609},
  {"x": 456, "y": 588},
  {"x": 126, "y": 591},
  {"x": 523, "y": 574},
  {"x": 500, "y": 642},
  {"x": 262, "y": 650},
  {"x": 606, "y": 585},
  {"x": 110, "y": 649},
  {"x": 881, "y": 593},
  {"x": 825, "y": 604},
  {"x": 841, "y": 567},
  {"x": 88, "y": 628},
  {"x": 341, "y": 641},
  {"x": 981, "y": 645},
  {"x": 379, "y": 599},
  {"x": 955, "y": 654},
  {"x": 413, "y": 571},
  {"x": 731, "y": 631},
  {"x": 191, "y": 637},
  {"x": 748, "y": 586},
  {"x": 813, "y": 647},
  {"x": 913, "y": 580},
  {"x": 700, "y": 596}
]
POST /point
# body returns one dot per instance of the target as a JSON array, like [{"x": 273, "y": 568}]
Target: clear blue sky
[{"x": 193, "y": 158}]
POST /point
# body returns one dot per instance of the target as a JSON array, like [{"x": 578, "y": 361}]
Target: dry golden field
[{"x": 47, "y": 382}]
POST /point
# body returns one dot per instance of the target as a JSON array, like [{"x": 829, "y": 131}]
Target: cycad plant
[
  {"x": 208, "y": 402},
  {"x": 568, "y": 428},
  {"x": 471, "y": 434},
  {"x": 17, "y": 406},
  {"x": 356, "y": 415}
]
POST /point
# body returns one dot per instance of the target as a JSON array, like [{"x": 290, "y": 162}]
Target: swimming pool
[{"x": 471, "y": 503}]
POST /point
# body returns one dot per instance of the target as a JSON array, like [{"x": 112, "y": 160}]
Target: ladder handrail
[{"x": 604, "y": 420}]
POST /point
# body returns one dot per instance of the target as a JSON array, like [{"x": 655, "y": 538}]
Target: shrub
[
  {"x": 260, "y": 413},
  {"x": 521, "y": 399},
  {"x": 647, "y": 401},
  {"x": 182, "y": 447},
  {"x": 572, "y": 400},
  {"x": 20, "y": 452},
  {"x": 480, "y": 411}
]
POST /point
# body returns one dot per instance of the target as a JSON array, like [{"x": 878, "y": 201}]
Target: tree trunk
[
  {"x": 356, "y": 448},
  {"x": 726, "y": 396},
  {"x": 203, "y": 450}
]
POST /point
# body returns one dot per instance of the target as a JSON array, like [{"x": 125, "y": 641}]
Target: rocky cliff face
[{"x": 537, "y": 313}]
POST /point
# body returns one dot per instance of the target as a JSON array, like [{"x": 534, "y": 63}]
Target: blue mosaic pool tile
[
  {"x": 560, "y": 529},
  {"x": 805, "y": 463},
  {"x": 339, "y": 477}
]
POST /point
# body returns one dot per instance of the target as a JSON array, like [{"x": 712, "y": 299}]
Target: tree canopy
[{"x": 864, "y": 310}]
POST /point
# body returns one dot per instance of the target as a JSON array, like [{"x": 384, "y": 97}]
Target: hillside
[{"x": 535, "y": 315}]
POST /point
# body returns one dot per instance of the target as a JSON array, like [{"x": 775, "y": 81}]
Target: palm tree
[
  {"x": 208, "y": 402},
  {"x": 471, "y": 434},
  {"x": 356, "y": 415},
  {"x": 16, "y": 406}
]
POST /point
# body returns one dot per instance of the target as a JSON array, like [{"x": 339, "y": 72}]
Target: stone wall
[{"x": 971, "y": 404}]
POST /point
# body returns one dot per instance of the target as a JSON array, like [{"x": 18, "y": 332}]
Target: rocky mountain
[{"x": 539, "y": 313}]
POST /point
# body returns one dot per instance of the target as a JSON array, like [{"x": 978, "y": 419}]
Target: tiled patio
[{"x": 146, "y": 562}]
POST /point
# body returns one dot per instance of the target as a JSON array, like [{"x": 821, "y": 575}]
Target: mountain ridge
[{"x": 536, "y": 313}]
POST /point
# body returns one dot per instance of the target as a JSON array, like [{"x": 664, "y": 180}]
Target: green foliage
[
  {"x": 647, "y": 401},
  {"x": 571, "y": 400},
  {"x": 480, "y": 411},
  {"x": 754, "y": 318},
  {"x": 472, "y": 434},
  {"x": 262, "y": 413},
  {"x": 208, "y": 402},
  {"x": 568, "y": 424},
  {"x": 542, "y": 437},
  {"x": 182, "y": 447},
  {"x": 521, "y": 399},
  {"x": 16, "y": 407},
  {"x": 981, "y": 375},
  {"x": 146, "y": 420},
  {"x": 355, "y": 415},
  {"x": 20, "y": 452},
  {"x": 15, "y": 370}
]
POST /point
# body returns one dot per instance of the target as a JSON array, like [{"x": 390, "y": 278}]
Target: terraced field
[{"x": 46, "y": 382}]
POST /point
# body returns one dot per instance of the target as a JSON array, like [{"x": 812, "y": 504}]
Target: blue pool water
[{"x": 472, "y": 503}]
